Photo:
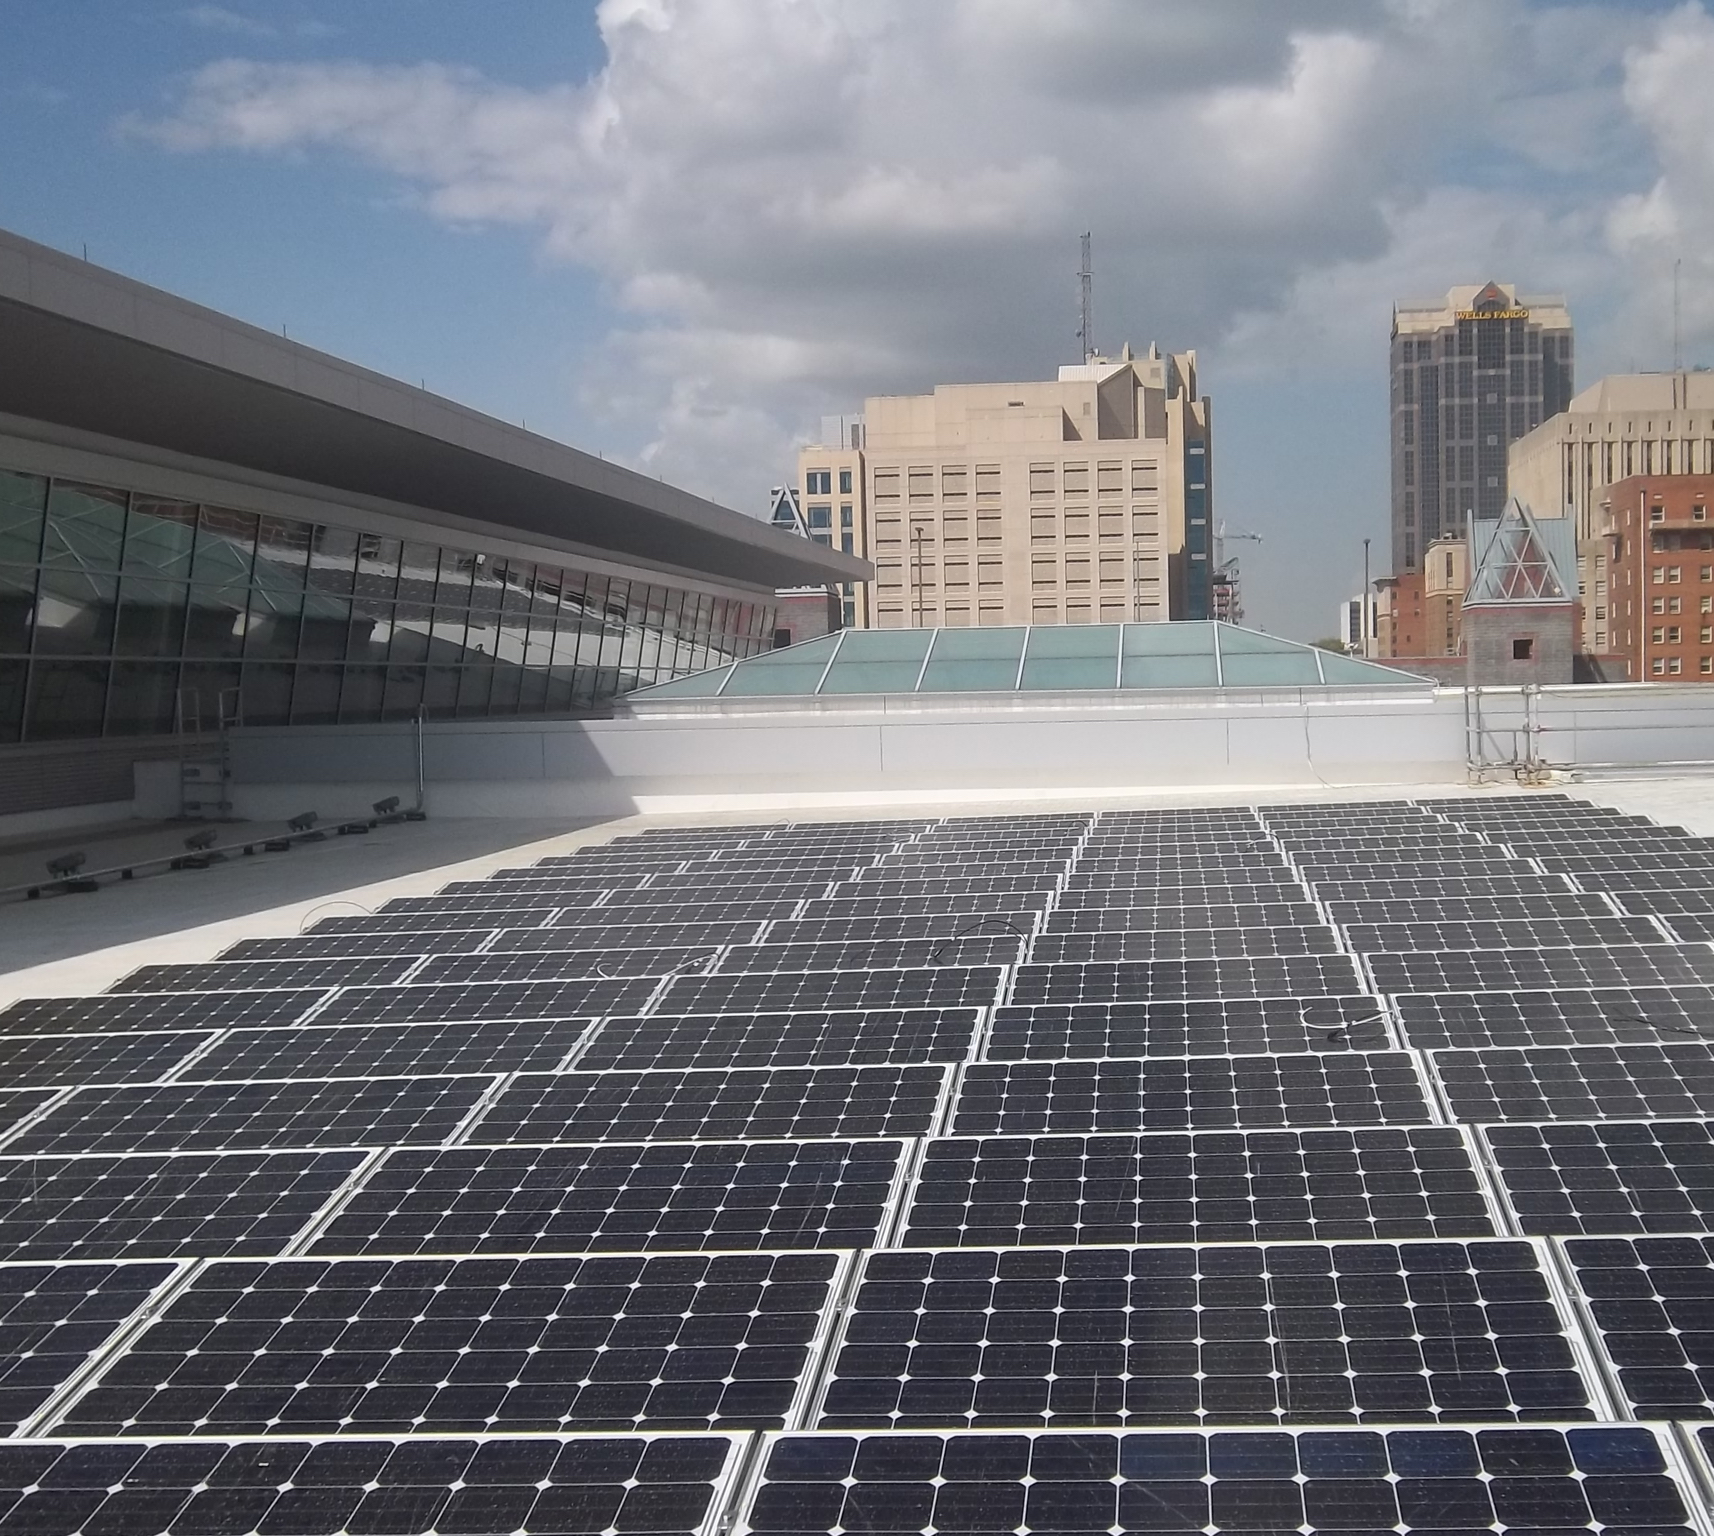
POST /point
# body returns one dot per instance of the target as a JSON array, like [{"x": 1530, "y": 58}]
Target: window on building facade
[
  {"x": 1674, "y": 666},
  {"x": 1658, "y": 666},
  {"x": 1674, "y": 634},
  {"x": 844, "y": 482},
  {"x": 1657, "y": 514},
  {"x": 818, "y": 482}
]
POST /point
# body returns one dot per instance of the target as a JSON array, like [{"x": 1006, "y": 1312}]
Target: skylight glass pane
[
  {"x": 878, "y": 661},
  {"x": 1073, "y": 656},
  {"x": 973, "y": 661},
  {"x": 700, "y": 685},
  {"x": 1251, "y": 670},
  {"x": 1176, "y": 639},
  {"x": 1347, "y": 669},
  {"x": 1168, "y": 671},
  {"x": 1238, "y": 642},
  {"x": 793, "y": 669}
]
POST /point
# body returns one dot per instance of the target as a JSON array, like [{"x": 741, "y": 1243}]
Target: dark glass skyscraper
[{"x": 1469, "y": 376}]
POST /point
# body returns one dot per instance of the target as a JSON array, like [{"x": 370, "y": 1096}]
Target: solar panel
[
  {"x": 1198, "y": 1093},
  {"x": 493, "y": 1000},
  {"x": 1223, "y": 1483},
  {"x": 715, "y": 1105},
  {"x": 513, "y": 1045},
  {"x": 943, "y": 986},
  {"x": 623, "y": 935},
  {"x": 1211, "y": 943},
  {"x": 1143, "y": 981},
  {"x": 1181, "y": 922},
  {"x": 858, "y": 1037},
  {"x": 986, "y": 947},
  {"x": 1652, "y": 1301},
  {"x": 1201, "y": 1187},
  {"x": 483, "y": 970},
  {"x": 1203, "y": 1027},
  {"x": 350, "y": 946},
  {"x": 51, "y": 1060},
  {"x": 621, "y": 1342},
  {"x": 160, "y": 1010},
  {"x": 1378, "y": 895},
  {"x": 1524, "y": 933},
  {"x": 926, "y": 925},
  {"x": 1586, "y": 1082},
  {"x": 304, "y": 1112},
  {"x": 656, "y": 1197},
  {"x": 1601, "y": 1180},
  {"x": 1259, "y": 1334},
  {"x": 1612, "y": 1015},
  {"x": 1698, "y": 903},
  {"x": 189, "y": 1205},
  {"x": 1491, "y": 970}
]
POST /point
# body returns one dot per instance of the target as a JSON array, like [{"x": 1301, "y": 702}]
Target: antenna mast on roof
[{"x": 1086, "y": 294}]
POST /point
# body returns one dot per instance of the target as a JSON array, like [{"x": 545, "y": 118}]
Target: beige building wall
[
  {"x": 1626, "y": 424},
  {"x": 1077, "y": 500},
  {"x": 833, "y": 491}
]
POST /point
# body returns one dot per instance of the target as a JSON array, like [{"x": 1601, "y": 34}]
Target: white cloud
[
  {"x": 801, "y": 201},
  {"x": 219, "y": 18}
]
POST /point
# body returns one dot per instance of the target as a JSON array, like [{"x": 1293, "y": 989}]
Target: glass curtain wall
[{"x": 121, "y": 614}]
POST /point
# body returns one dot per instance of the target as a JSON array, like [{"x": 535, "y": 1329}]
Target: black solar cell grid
[
  {"x": 566, "y": 964},
  {"x": 1177, "y": 855},
  {"x": 1309, "y": 1334},
  {"x": 1618, "y": 1015},
  {"x": 1186, "y": 877},
  {"x": 1363, "y": 839},
  {"x": 428, "y": 922},
  {"x": 712, "y": 1105},
  {"x": 633, "y": 1486},
  {"x": 1335, "y": 868},
  {"x": 353, "y": 1050},
  {"x": 492, "y": 1000},
  {"x": 1145, "y": 981},
  {"x": 1167, "y": 920},
  {"x": 220, "y": 975},
  {"x": 43, "y": 1061},
  {"x": 624, "y": 1342},
  {"x": 1202, "y": 1187},
  {"x": 1378, "y": 894},
  {"x": 1607, "y": 1180},
  {"x": 1224, "y": 1484},
  {"x": 1652, "y": 1299},
  {"x": 158, "y": 1010},
  {"x": 1497, "y": 970},
  {"x": 351, "y": 946},
  {"x": 1178, "y": 898},
  {"x": 1195, "y": 1093},
  {"x": 356, "y": 1112},
  {"x": 53, "y": 1317},
  {"x": 1586, "y": 1082},
  {"x": 1100, "y": 851},
  {"x": 543, "y": 883},
  {"x": 663, "y": 1197},
  {"x": 991, "y": 945},
  {"x": 1693, "y": 860},
  {"x": 1648, "y": 877},
  {"x": 966, "y": 906},
  {"x": 944, "y": 885},
  {"x": 938, "y": 986},
  {"x": 1195, "y": 944},
  {"x": 933, "y": 925},
  {"x": 185, "y": 1205},
  {"x": 872, "y": 1037},
  {"x": 1203, "y": 1027},
  {"x": 706, "y": 886},
  {"x": 469, "y": 906},
  {"x": 677, "y": 911},
  {"x": 1689, "y": 928},
  {"x": 619, "y": 934},
  {"x": 1523, "y": 933}
]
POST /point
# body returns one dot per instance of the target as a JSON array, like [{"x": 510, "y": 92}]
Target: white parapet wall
[{"x": 894, "y": 749}]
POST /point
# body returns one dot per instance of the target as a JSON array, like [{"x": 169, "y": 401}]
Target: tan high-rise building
[
  {"x": 834, "y": 498},
  {"x": 1077, "y": 500},
  {"x": 1626, "y": 424}
]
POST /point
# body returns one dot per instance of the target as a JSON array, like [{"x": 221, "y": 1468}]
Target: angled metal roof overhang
[{"x": 92, "y": 351}]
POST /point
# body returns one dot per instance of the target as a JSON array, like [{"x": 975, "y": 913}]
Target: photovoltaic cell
[
  {"x": 161, "y": 1011},
  {"x": 354, "y": 1112},
  {"x": 54, "y": 1060},
  {"x": 1607, "y": 1180},
  {"x": 346, "y": 946},
  {"x": 495, "y": 1000},
  {"x": 506, "y": 1045},
  {"x": 660, "y": 1197},
  {"x": 987, "y": 947},
  {"x": 1203, "y": 1027},
  {"x": 1492, "y": 970},
  {"x": 637, "y": 1485},
  {"x": 306, "y": 1346},
  {"x": 948, "y": 986},
  {"x": 1588, "y": 1082},
  {"x": 187, "y": 1205},
  {"x": 1205, "y": 1187},
  {"x": 1199, "y": 1093},
  {"x": 1212, "y": 943},
  {"x": 1652, "y": 1299},
  {"x": 1613, "y": 1015},
  {"x": 562, "y": 965},
  {"x": 1145, "y": 981},
  {"x": 53, "y": 1317},
  {"x": 1186, "y": 923},
  {"x": 875, "y": 1037},
  {"x": 1313, "y": 1333},
  {"x": 1523, "y": 933},
  {"x": 221, "y": 975},
  {"x": 714, "y": 1105},
  {"x": 1223, "y": 1483}
]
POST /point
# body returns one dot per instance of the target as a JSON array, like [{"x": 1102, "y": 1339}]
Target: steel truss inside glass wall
[{"x": 121, "y": 612}]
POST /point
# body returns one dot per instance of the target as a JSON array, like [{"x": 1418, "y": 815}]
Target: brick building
[{"x": 1656, "y": 541}]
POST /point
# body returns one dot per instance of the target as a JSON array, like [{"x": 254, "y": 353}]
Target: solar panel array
[{"x": 1283, "y": 1169}]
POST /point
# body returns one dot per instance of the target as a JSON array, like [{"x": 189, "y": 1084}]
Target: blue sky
[{"x": 678, "y": 231}]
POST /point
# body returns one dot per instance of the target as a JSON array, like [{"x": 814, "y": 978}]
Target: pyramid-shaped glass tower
[{"x": 1522, "y": 559}]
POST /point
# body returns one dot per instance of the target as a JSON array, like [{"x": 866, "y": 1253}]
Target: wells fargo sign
[{"x": 1493, "y": 314}]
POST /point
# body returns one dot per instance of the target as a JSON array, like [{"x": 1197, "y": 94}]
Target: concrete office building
[
  {"x": 830, "y": 481},
  {"x": 1077, "y": 500},
  {"x": 1630, "y": 424},
  {"x": 1470, "y": 373},
  {"x": 203, "y": 521}
]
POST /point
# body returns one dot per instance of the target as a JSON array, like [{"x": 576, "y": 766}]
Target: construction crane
[{"x": 1227, "y": 600}]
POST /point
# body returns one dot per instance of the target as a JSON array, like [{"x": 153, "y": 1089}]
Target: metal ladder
[{"x": 205, "y": 752}]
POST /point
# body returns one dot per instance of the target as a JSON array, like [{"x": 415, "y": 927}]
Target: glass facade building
[{"x": 122, "y": 614}]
